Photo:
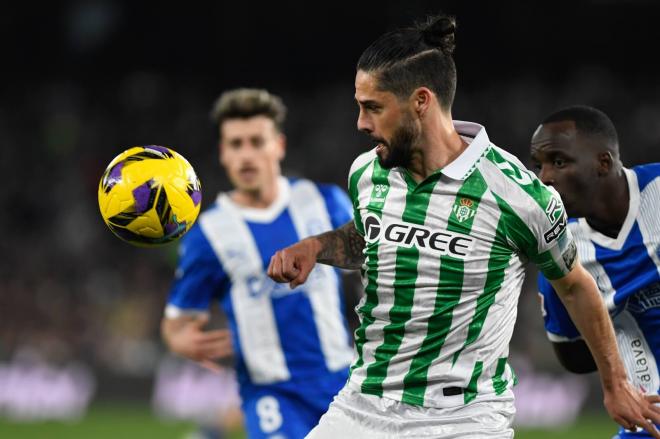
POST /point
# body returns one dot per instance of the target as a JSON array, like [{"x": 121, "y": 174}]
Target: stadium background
[{"x": 83, "y": 80}]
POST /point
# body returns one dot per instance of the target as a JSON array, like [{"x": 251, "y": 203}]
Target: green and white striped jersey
[{"x": 444, "y": 269}]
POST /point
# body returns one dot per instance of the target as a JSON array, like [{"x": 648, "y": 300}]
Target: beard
[{"x": 398, "y": 152}]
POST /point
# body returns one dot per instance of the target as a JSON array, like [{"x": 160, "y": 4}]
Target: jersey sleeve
[
  {"x": 338, "y": 205},
  {"x": 535, "y": 221},
  {"x": 558, "y": 323},
  {"x": 199, "y": 276},
  {"x": 549, "y": 243},
  {"x": 646, "y": 174}
]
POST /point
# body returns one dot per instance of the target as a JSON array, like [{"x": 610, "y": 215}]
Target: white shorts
[{"x": 357, "y": 415}]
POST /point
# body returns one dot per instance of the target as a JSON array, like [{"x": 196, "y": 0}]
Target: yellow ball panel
[{"x": 149, "y": 195}]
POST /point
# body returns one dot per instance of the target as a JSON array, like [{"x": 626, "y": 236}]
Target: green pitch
[{"x": 128, "y": 422}]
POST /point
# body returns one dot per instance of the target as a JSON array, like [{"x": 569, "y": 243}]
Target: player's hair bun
[{"x": 438, "y": 31}]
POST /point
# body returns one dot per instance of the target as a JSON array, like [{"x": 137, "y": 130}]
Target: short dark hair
[
  {"x": 243, "y": 103},
  {"x": 417, "y": 56},
  {"x": 590, "y": 122}
]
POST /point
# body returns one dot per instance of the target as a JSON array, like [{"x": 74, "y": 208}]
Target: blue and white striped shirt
[
  {"x": 627, "y": 272},
  {"x": 278, "y": 334}
]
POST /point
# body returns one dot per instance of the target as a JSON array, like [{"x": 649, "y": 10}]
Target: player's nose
[
  {"x": 546, "y": 175},
  {"x": 364, "y": 123}
]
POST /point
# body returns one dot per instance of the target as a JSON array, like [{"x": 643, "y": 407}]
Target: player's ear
[
  {"x": 605, "y": 163},
  {"x": 282, "y": 146},
  {"x": 221, "y": 153},
  {"x": 421, "y": 99}
]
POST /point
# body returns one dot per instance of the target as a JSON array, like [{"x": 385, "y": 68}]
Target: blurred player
[
  {"x": 443, "y": 222},
  {"x": 614, "y": 220},
  {"x": 291, "y": 346}
]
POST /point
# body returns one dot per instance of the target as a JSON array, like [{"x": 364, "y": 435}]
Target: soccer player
[
  {"x": 291, "y": 345},
  {"x": 443, "y": 220},
  {"x": 614, "y": 221}
]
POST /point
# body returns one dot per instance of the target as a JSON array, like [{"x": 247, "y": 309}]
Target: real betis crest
[{"x": 464, "y": 209}]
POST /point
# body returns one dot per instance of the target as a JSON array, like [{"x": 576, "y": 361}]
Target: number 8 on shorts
[{"x": 268, "y": 410}]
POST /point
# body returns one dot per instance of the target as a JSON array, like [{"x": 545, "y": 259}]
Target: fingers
[
  {"x": 216, "y": 350},
  {"x": 281, "y": 268},
  {"x": 199, "y": 321},
  {"x": 649, "y": 427},
  {"x": 624, "y": 423},
  {"x": 210, "y": 365},
  {"x": 301, "y": 275},
  {"x": 275, "y": 268},
  {"x": 213, "y": 336}
]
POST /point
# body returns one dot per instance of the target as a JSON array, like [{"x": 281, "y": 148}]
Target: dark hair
[
  {"x": 416, "y": 56},
  {"x": 243, "y": 103},
  {"x": 588, "y": 121}
]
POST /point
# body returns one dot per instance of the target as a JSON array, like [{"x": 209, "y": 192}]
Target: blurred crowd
[{"x": 71, "y": 292}]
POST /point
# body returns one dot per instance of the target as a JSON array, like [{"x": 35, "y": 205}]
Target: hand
[
  {"x": 186, "y": 337},
  {"x": 293, "y": 264},
  {"x": 631, "y": 409}
]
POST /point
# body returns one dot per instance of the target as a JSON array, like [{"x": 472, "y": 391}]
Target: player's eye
[
  {"x": 559, "y": 163},
  {"x": 258, "y": 142}
]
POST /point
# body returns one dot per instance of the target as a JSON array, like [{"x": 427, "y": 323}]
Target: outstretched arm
[
  {"x": 626, "y": 405},
  {"x": 341, "y": 248}
]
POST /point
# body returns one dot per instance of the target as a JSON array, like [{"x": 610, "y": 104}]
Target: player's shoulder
[
  {"x": 363, "y": 160},
  {"x": 646, "y": 174},
  {"x": 210, "y": 215},
  {"x": 334, "y": 197},
  {"x": 510, "y": 180},
  {"x": 194, "y": 244},
  {"x": 327, "y": 190}
]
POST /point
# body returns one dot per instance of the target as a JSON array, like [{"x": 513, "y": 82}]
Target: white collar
[
  {"x": 259, "y": 215},
  {"x": 463, "y": 165},
  {"x": 633, "y": 209}
]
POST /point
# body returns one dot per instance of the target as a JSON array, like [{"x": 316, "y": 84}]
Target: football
[{"x": 149, "y": 195}]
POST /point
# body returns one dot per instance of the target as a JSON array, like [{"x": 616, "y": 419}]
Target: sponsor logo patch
[
  {"x": 410, "y": 235},
  {"x": 555, "y": 231},
  {"x": 380, "y": 190}
]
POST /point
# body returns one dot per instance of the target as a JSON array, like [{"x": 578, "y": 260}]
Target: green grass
[
  {"x": 136, "y": 422},
  {"x": 587, "y": 427},
  {"x": 101, "y": 422}
]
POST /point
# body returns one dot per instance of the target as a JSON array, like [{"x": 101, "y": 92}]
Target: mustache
[{"x": 377, "y": 140}]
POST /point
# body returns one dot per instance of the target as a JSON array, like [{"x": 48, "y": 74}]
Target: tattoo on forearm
[{"x": 342, "y": 247}]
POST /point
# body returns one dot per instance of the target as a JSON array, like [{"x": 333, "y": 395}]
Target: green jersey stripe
[
  {"x": 471, "y": 390},
  {"x": 518, "y": 231},
  {"x": 449, "y": 290},
  {"x": 500, "y": 384},
  {"x": 498, "y": 261},
  {"x": 525, "y": 179},
  {"x": 404, "y": 289},
  {"x": 353, "y": 193},
  {"x": 380, "y": 182}
]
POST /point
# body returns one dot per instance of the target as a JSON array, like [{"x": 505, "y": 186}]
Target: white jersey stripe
[
  {"x": 234, "y": 245},
  {"x": 416, "y": 328},
  {"x": 386, "y": 274},
  {"x": 310, "y": 217},
  {"x": 587, "y": 252},
  {"x": 649, "y": 220}
]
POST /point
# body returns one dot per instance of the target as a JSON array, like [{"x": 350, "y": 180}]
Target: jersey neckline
[
  {"x": 633, "y": 209},
  {"x": 258, "y": 215}
]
